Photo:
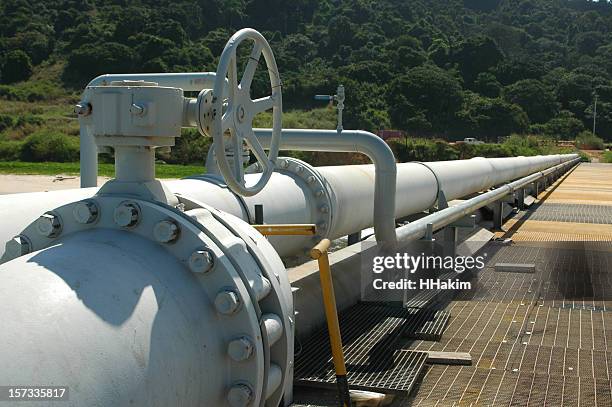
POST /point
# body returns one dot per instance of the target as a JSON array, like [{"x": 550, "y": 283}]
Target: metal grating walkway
[
  {"x": 369, "y": 334},
  {"x": 430, "y": 298},
  {"x": 426, "y": 324},
  {"x": 542, "y": 339},
  {"x": 556, "y": 212}
]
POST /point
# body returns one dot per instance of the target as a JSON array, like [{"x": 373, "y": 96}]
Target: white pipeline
[{"x": 287, "y": 198}]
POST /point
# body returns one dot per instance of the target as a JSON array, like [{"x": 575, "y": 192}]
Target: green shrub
[
  {"x": 607, "y": 157},
  {"x": 483, "y": 150},
  {"x": 17, "y": 66},
  {"x": 418, "y": 149},
  {"x": 47, "y": 145},
  {"x": 31, "y": 91},
  {"x": 562, "y": 127},
  {"x": 8, "y": 92},
  {"x": 91, "y": 60},
  {"x": 518, "y": 145},
  {"x": 190, "y": 148},
  {"x": 584, "y": 157},
  {"x": 320, "y": 118},
  {"x": 29, "y": 119},
  {"x": 587, "y": 141},
  {"x": 6, "y": 122},
  {"x": 10, "y": 150}
]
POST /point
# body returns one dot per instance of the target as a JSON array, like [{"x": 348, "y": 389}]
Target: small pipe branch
[{"x": 352, "y": 141}]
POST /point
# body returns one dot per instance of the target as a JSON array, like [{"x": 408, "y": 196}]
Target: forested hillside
[{"x": 443, "y": 68}]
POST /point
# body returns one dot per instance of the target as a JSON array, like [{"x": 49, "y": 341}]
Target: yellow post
[
  {"x": 287, "y": 230},
  {"x": 319, "y": 253}
]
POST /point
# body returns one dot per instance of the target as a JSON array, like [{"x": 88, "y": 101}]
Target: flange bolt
[
  {"x": 49, "y": 225},
  {"x": 227, "y": 302},
  {"x": 240, "y": 349},
  {"x": 126, "y": 214},
  {"x": 239, "y": 395},
  {"x": 17, "y": 246},
  {"x": 137, "y": 110},
  {"x": 85, "y": 212},
  {"x": 82, "y": 109},
  {"x": 166, "y": 231},
  {"x": 201, "y": 261}
]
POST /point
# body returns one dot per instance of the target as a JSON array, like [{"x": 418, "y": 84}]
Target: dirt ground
[
  {"x": 12, "y": 184},
  {"x": 594, "y": 154}
]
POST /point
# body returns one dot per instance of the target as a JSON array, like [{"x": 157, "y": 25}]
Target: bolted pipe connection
[
  {"x": 227, "y": 302},
  {"x": 240, "y": 395},
  {"x": 166, "y": 231},
  {"x": 127, "y": 214},
  {"x": 49, "y": 225},
  {"x": 85, "y": 212},
  {"x": 240, "y": 349},
  {"x": 201, "y": 261},
  {"x": 18, "y": 246}
]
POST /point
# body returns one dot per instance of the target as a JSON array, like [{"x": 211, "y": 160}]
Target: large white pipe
[
  {"x": 56, "y": 313},
  {"x": 418, "y": 229},
  {"x": 286, "y": 199},
  {"x": 418, "y": 184}
]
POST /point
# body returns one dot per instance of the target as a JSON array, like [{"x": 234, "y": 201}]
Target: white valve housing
[{"x": 136, "y": 113}]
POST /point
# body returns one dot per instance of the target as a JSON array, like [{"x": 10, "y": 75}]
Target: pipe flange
[
  {"x": 439, "y": 192},
  {"x": 236, "y": 280},
  {"x": 323, "y": 209},
  {"x": 278, "y": 302}
]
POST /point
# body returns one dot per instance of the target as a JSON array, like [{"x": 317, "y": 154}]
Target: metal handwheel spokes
[{"x": 233, "y": 113}]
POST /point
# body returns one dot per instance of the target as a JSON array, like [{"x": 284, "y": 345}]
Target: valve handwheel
[{"x": 234, "y": 112}]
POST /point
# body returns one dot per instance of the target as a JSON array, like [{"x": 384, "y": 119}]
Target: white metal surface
[
  {"x": 189, "y": 82},
  {"x": 134, "y": 113},
  {"x": 288, "y": 198},
  {"x": 98, "y": 313},
  {"x": 123, "y": 307}
]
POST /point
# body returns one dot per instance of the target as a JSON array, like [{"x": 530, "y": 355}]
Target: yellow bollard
[{"x": 319, "y": 253}]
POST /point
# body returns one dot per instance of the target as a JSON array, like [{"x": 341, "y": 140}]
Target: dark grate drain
[
  {"x": 426, "y": 324},
  {"x": 312, "y": 399},
  {"x": 369, "y": 333}
]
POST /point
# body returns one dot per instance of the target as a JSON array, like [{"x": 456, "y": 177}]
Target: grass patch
[
  {"x": 587, "y": 141},
  {"x": 320, "y": 118},
  {"x": 607, "y": 157},
  {"x": 108, "y": 170}
]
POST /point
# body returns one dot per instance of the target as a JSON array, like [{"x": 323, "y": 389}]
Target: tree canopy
[{"x": 444, "y": 68}]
